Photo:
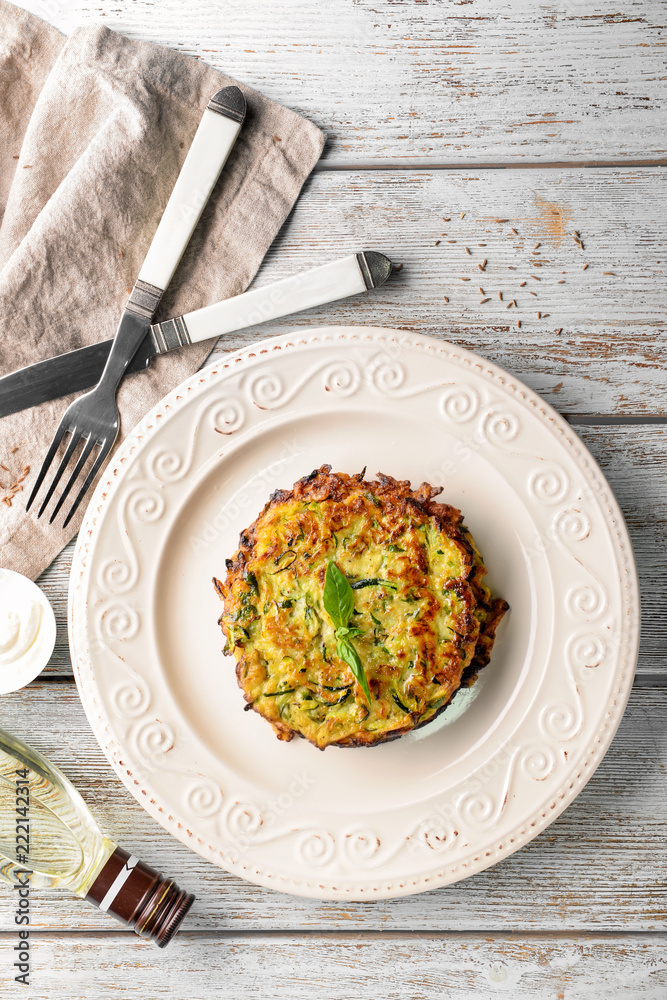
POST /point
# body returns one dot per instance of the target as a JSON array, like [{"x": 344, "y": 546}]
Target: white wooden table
[{"x": 550, "y": 116}]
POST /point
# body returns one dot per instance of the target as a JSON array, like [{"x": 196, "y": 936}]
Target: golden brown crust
[{"x": 428, "y": 622}]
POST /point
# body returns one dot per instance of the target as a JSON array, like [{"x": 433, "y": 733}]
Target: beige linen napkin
[{"x": 93, "y": 131}]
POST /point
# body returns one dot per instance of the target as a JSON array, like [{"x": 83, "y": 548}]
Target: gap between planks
[
  {"x": 595, "y": 420},
  {"x": 419, "y": 163},
  {"x": 368, "y": 935}
]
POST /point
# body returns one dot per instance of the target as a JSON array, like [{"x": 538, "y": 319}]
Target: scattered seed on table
[
  {"x": 584, "y": 267},
  {"x": 500, "y": 296},
  {"x": 539, "y": 315},
  {"x": 501, "y": 220},
  {"x": 12, "y": 450},
  {"x": 576, "y": 232},
  {"x": 534, "y": 277},
  {"x": 445, "y": 298},
  {"x": 514, "y": 304},
  {"x": 561, "y": 282},
  {"x": 559, "y": 330},
  {"x": 612, "y": 273},
  {"x": 509, "y": 305},
  {"x": 4, "y": 467},
  {"x": 399, "y": 267},
  {"x": 515, "y": 232},
  {"x": 465, "y": 279},
  {"x": 533, "y": 293},
  {"x": 518, "y": 324},
  {"x": 482, "y": 267},
  {"x": 467, "y": 251},
  {"x": 481, "y": 244},
  {"x": 437, "y": 243},
  {"x": 482, "y": 301},
  {"x": 451, "y": 241},
  {"x": 447, "y": 220},
  {"x": 537, "y": 245},
  {"x": 510, "y": 268},
  {"x": 463, "y": 215},
  {"x": 545, "y": 315},
  {"x": 521, "y": 284}
]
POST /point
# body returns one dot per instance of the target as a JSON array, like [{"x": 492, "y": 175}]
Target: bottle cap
[{"x": 139, "y": 896}]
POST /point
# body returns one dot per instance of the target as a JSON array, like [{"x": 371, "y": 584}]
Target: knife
[{"x": 78, "y": 370}]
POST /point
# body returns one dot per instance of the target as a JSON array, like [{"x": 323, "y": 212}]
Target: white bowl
[{"x": 27, "y": 631}]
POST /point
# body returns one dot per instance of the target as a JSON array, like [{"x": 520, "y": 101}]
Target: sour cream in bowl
[{"x": 27, "y": 631}]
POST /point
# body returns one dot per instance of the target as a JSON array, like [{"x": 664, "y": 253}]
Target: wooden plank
[
  {"x": 633, "y": 459},
  {"x": 393, "y": 966},
  {"x": 600, "y": 867},
  {"x": 506, "y": 81},
  {"x": 609, "y": 358}
]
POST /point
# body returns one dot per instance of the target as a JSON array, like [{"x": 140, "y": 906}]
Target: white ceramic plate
[{"x": 432, "y": 807}]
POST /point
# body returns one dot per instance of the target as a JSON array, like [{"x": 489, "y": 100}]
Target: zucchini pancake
[{"x": 355, "y": 609}]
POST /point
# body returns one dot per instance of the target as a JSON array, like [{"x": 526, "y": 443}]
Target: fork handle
[
  {"x": 354, "y": 274},
  {"x": 206, "y": 157}
]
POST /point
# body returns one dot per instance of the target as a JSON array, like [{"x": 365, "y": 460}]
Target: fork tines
[{"x": 90, "y": 442}]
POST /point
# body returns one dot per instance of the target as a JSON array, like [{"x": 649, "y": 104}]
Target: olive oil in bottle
[{"x": 48, "y": 837}]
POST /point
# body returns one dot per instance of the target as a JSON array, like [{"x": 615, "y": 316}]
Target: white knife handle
[
  {"x": 206, "y": 157},
  {"x": 349, "y": 276}
]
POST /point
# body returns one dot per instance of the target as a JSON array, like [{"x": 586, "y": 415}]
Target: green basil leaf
[
  {"x": 350, "y": 633},
  {"x": 338, "y": 598},
  {"x": 349, "y": 655}
]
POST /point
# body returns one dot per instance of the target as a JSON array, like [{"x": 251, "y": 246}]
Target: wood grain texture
[
  {"x": 391, "y": 966},
  {"x": 580, "y": 912},
  {"x": 632, "y": 458},
  {"x": 507, "y": 81},
  {"x": 601, "y": 866},
  {"x": 611, "y": 357}
]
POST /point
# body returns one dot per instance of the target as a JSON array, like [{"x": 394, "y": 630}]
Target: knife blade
[
  {"x": 66, "y": 373},
  {"x": 77, "y": 370}
]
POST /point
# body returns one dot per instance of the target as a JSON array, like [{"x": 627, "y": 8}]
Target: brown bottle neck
[{"x": 139, "y": 896}]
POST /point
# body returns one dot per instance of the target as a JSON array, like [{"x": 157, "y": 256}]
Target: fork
[{"x": 93, "y": 420}]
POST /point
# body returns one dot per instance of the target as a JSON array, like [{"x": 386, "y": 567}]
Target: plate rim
[{"x": 367, "y": 887}]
